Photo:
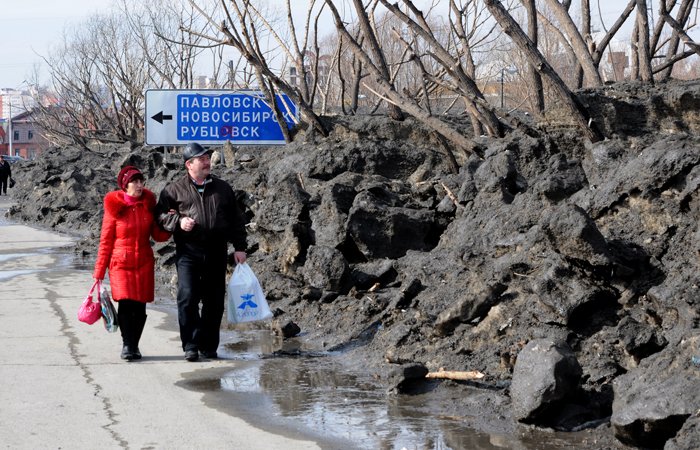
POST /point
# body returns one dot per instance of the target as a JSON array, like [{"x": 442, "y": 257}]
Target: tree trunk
[
  {"x": 532, "y": 73},
  {"x": 269, "y": 91},
  {"x": 586, "y": 32},
  {"x": 377, "y": 54},
  {"x": 634, "y": 63},
  {"x": 643, "y": 42},
  {"x": 590, "y": 69},
  {"x": 569, "y": 100}
]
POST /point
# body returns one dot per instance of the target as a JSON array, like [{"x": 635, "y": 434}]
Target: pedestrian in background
[
  {"x": 5, "y": 175},
  {"x": 128, "y": 225},
  {"x": 202, "y": 213}
]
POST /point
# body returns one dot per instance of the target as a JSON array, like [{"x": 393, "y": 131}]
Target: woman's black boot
[
  {"x": 139, "y": 321},
  {"x": 126, "y": 326}
]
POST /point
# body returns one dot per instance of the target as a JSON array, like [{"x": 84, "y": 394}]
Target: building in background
[
  {"x": 27, "y": 141},
  {"x": 14, "y": 102},
  {"x": 204, "y": 82},
  {"x": 19, "y": 133}
]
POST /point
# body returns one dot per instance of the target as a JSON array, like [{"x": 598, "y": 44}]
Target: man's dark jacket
[
  {"x": 5, "y": 171},
  {"x": 218, "y": 217}
]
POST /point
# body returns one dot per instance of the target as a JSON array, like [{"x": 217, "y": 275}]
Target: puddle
[
  {"x": 328, "y": 402},
  {"x": 7, "y": 274},
  {"x": 11, "y": 256},
  {"x": 64, "y": 259},
  {"x": 279, "y": 388},
  {"x": 83, "y": 262}
]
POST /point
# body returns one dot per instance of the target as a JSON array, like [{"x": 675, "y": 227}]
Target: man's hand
[
  {"x": 237, "y": 258},
  {"x": 186, "y": 223}
]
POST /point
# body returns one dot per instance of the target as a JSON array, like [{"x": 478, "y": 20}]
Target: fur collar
[{"x": 115, "y": 203}]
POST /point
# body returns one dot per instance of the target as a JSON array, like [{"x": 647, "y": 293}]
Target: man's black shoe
[
  {"x": 191, "y": 355},
  {"x": 210, "y": 354}
]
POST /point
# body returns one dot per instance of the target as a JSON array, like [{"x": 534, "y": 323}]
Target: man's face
[{"x": 199, "y": 167}]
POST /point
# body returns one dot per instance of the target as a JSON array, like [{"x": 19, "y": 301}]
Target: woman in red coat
[{"x": 125, "y": 248}]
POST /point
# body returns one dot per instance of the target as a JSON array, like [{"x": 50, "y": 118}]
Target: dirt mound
[{"x": 370, "y": 243}]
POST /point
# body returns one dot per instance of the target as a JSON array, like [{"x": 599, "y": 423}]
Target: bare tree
[
  {"x": 171, "y": 55},
  {"x": 101, "y": 70},
  {"x": 454, "y": 77},
  {"x": 389, "y": 94},
  {"x": 100, "y": 77},
  {"x": 469, "y": 30},
  {"x": 350, "y": 71},
  {"x": 569, "y": 100},
  {"x": 240, "y": 28}
]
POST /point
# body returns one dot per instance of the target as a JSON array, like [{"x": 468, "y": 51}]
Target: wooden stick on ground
[{"x": 456, "y": 375}]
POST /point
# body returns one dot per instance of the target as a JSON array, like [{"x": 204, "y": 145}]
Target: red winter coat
[{"x": 125, "y": 246}]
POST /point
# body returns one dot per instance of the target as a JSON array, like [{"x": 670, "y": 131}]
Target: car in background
[{"x": 12, "y": 159}]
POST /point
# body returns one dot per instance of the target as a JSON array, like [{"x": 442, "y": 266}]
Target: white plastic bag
[
  {"x": 109, "y": 312},
  {"x": 246, "y": 300}
]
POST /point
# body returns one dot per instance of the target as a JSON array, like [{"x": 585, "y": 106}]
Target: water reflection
[
  {"x": 322, "y": 396},
  {"x": 242, "y": 380},
  {"x": 278, "y": 385}
]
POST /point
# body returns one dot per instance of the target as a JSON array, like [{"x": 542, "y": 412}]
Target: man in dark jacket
[
  {"x": 202, "y": 213},
  {"x": 5, "y": 175}
]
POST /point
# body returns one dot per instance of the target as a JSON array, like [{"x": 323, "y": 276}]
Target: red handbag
[{"x": 91, "y": 311}]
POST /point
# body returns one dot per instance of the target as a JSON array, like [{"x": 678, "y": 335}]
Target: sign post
[{"x": 177, "y": 117}]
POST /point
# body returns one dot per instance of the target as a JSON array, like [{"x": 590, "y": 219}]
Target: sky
[{"x": 29, "y": 28}]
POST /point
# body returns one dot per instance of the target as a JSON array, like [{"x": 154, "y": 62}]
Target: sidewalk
[{"x": 63, "y": 383}]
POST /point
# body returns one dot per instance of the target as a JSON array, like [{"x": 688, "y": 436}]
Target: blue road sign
[{"x": 175, "y": 117}]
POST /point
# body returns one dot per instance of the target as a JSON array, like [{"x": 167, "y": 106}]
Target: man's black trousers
[{"x": 201, "y": 279}]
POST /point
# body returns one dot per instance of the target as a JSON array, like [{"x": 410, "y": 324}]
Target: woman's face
[{"x": 135, "y": 187}]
